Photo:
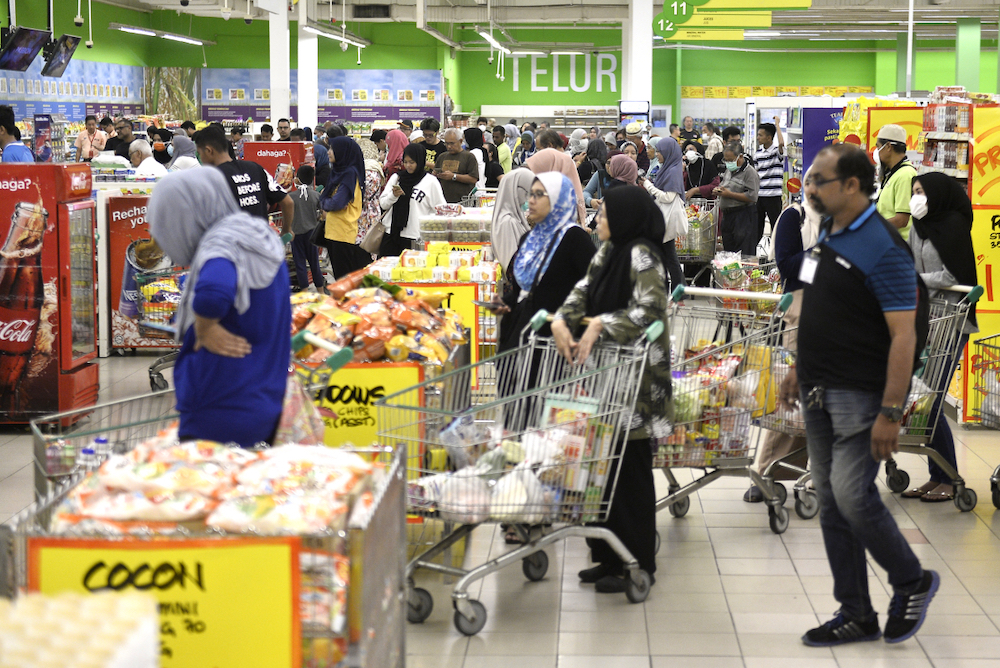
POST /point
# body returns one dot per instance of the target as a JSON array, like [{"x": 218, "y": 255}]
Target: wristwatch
[
  {"x": 892, "y": 413},
  {"x": 454, "y": 177}
]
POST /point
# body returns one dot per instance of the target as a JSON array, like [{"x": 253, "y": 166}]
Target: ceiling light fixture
[
  {"x": 495, "y": 44},
  {"x": 361, "y": 44},
  {"x": 567, "y": 53},
  {"x": 181, "y": 38},
  {"x": 149, "y": 32},
  {"x": 529, "y": 53},
  {"x": 761, "y": 33},
  {"x": 138, "y": 31}
]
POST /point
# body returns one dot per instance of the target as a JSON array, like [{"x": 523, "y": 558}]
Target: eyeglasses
[
  {"x": 537, "y": 194},
  {"x": 819, "y": 183}
]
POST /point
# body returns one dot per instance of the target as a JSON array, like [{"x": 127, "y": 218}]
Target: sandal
[
  {"x": 937, "y": 497},
  {"x": 918, "y": 492},
  {"x": 513, "y": 536}
]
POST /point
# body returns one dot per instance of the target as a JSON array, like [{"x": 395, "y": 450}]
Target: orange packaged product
[
  {"x": 368, "y": 350},
  {"x": 301, "y": 315},
  {"x": 350, "y": 282}
]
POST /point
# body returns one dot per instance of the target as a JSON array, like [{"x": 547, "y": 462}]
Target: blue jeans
[
  {"x": 852, "y": 515},
  {"x": 943, "y": 441}
]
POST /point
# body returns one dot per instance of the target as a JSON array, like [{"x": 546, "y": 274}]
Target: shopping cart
[
  {"x": 721, "y": 357},
  {"x": 374, "y": 541},
  {"x": 480, "y": 198},
  {"x": 984, "y": 400},
  {"x": 159, "y": 296},
  {"x": 559, "y": 423},
  {"x": 697, "y": 247}
]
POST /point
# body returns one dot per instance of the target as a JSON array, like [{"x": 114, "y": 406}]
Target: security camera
[
  {"x": 490, "y": 61},
  {"x": 89, "y": 44},
  {"x": 226, "y": 13},
  {"x": 78, "y": 20},
  {"x": 359, "y": 59},
  {"x": 185, "y": 3},
  {"x": 248, "y": 20},
  {"x": 343, "y": 46}
]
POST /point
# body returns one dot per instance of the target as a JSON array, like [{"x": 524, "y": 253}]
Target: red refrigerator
[{"x": 48, "y": 335}]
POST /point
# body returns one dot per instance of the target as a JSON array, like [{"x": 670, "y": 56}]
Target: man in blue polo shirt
[
  {"x": 10, "y": 144},
  {"x": 855, "y": 358}
]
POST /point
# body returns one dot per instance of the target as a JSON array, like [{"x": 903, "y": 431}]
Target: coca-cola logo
[
  {"x": 15, "y": 185},
  {"x": 273, "y": 154},
  {"x": 136, "y": 215},
  {"x": 17, "y": 331},
  {"x": 79, "y": 182}
]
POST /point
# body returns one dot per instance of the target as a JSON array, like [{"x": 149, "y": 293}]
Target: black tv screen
[
  {"x": 21, "y": 48},
  {"x": 55, "y": 66}
]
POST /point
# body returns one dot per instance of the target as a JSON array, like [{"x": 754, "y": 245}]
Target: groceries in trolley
[
  {"x": 380, "y": 322},
  {"x": 731, "y": 271},
  {"x": 160, "y": 296},
  {"x": 556, "y": 473},
  {"x": 698, "y": 243},
  {"x": 163, "y": 485}
]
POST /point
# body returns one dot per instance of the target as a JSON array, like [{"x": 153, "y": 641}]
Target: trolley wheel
[
  {"x": 778, "y": 518},
  {"x": 780, "y": 491},
  {"x": 680, "y": 508},
  {"x": 996, "y": 497},
  {"x": 471, "y": 627},
  {"x": 966, "y": 501},
  {"x": 535, "y": 566},
  {"x": 420, "y": 606},
  {"x": 656, "y": 550},
  {"x": 806, "y": 505},
  {"x": 897, "y": 480},
  {"x": 637, "y": 586},
  {"x": 157, "y": 382}
]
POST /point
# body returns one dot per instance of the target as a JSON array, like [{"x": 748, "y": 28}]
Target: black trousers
[
  {"x": 346, "y": 258},
  {"x": 738, "y": 228},
  {"x": 770, "y": 207},
  {"x": 632, "y": 516},
  {"x": 675, "y": 273}
]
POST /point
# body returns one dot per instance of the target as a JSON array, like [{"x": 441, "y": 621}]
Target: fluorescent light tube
[
  {"x": 495, "y": 44},
  {"x": 137, "y": 31},
  {"x": 181, "y": 38},
  {"x": 761, "y": 33}
]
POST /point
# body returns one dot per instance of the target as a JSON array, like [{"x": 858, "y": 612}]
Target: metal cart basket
[
  {"x": 698, "y": 245},
  {"x": 159, "y": 296},
  {"x": 543, "y": 451}
]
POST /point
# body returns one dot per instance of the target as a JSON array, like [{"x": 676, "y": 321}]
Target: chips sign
[
  {"x": 223, "y": 602},
  {"x": 347, "y": 403}
]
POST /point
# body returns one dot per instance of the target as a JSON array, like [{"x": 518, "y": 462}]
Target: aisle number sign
[{"x": 224, "y": 602}]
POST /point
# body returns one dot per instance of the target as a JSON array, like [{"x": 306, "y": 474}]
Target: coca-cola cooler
[
  {"x": 280, "y": 159},
  {"x": 47, "y": 316}
]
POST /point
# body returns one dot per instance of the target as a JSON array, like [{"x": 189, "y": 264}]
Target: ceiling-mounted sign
[
  {"x": 681, "y": 16},
  {"x": 747, "y": 5},
  {"x": 710, "y": 35}
]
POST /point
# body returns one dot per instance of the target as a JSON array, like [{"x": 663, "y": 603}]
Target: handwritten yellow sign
[
  {"x": 736, "y": 92},
  {"x": 835, "y": 91},
  {"x": 910, "y": 118},
  {"x": 984, "y": 167},
  {"x": 716, "y": 92},
  {"x": 983, "y": 363},
  {"x": 692, "y": 92},
  {"x": 811, "y": 90},
  {"x": 794, "y": 90},
  {"x": 765, "y": 91},
  {"x": 225, "y": 602},
  {"x": 860, "y": 89},
  {"x": 350, "y": 395}
]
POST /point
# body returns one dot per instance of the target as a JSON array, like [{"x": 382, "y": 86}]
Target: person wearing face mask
[
  {"x": 897, "y": 173},
  {"x": 654, "y": 161},
  {"x": 941, "y": 241},
  {"x": 700, "y": 175},
  {"x": 738, "y": 202},
  {"x": 713, "y": 142}
]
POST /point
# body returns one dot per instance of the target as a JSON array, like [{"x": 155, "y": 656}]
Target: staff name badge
[{"x": 807, "y": 272}]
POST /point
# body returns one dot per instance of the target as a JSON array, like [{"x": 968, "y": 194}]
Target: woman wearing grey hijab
[
  {"x": 234, "y": 316},
  {"x": 185, "y": 155},
  {"x": 510, "y": 130},
  {"x": 510, "y": 221}
]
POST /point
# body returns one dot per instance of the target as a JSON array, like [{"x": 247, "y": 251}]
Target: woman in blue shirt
[{"x": 234, "y": 317}]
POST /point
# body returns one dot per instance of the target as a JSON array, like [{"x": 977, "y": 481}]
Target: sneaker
[
  {"x": 841, "y": 630},
  {"x": 907, "y": 611}
]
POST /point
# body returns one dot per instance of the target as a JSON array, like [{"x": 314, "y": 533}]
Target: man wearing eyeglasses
[
  {"x": 284, "y": 130},
  {"x": 856, "y": 346},
  {"x": 123, "y": 131},
  {"x": 456, "y": 168}
]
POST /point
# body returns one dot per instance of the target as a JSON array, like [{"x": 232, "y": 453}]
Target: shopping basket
[
  {"x": 698, "y": 245},
  {"x": 542, "y": 451},
  {"x": 374, "y": 541},
  {"x": 722, "y": 387}
]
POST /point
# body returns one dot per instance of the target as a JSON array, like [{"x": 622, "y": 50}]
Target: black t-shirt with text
[
  {"x": 254, "y": 190},
  {"x": 434, "y": 151}
]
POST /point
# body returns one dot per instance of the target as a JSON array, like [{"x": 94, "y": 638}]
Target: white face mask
[
  {"x": 482, "y": 127},
  {"x": 692, "y": 155},
  {"x": 876, "y": 157},
  {"x": 918, "y": 206}
]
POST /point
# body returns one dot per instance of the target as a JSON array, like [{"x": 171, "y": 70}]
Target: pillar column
[
  {"x": 675, "y": 110},
  {"x": 901, "y": 63},
  {"x": 308, "y": 73},
  {"x": 637, "y": 52},
  {"x": 280, "y": 65},
  {"x": 968, "y": 34}
]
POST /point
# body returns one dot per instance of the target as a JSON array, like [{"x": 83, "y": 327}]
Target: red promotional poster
[
  {"x": 47, "y": 300},
  {"x": 131, "y": 252},
  {"x": 280, "y": 159}
]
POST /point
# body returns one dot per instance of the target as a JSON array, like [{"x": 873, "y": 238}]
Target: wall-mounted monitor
[
  {"x": 55, "y": 65},
  {"x": 20, "y": 48}
]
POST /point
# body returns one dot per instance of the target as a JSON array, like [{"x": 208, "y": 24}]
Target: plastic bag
[
  {"x": 518, "y": 497},
  {"x": 465, "y": 498},
  {"x": 300, "y": 420}
]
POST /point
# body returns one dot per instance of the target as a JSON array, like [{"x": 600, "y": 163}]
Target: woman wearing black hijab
[
  {"x": 623, "y": 293},
  {"x": 161, "y": 145},
  {"x": 409, "y": 194},
  {"x": 474, "y": 141},
  {"x": 941, "y": 241},
  {"x": 494, "y": 170},
  {"x": 700, "y": 175},
  {"x": 597, "y": 156}
]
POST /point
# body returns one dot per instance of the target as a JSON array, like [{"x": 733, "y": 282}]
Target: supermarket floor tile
[{"x": 729, "y": 592}]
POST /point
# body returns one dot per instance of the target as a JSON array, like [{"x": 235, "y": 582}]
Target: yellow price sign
[
  {"x": 765, "y": 91},
  {"x": 223, "y": 602},
  {"x": 348, "y": 401},
  {"x": 729, "y": 20},
  {"x": 811, "y": 90},
  {"x": 692, "y": 92},
  {"x": 984, "y": 163},
  {"x": 835, "y": 91},
  {"x": 910, "y": 119},
  {"x": 794, "y": 90},
  {"x": 684, "y": 34},
  {"x": 716, "y": 92},
  {"x": 860, "y": 89},
  {"x": 736, "y": 92}
]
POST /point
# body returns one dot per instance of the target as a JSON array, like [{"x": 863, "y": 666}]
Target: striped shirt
[{"x": 771, "y": 169}]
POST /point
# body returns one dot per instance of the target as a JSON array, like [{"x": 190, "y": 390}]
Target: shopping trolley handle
[
  {"x": 784, "y": 301},
  {"x": 338, "y": 356},
  {"x": 286, "y": 238},
  {"x": 974, "y": 291},
  {"x": 652, "y": 333}
]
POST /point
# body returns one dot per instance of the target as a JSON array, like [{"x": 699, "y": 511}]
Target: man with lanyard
[
  {"x": 253, "y": 188},
  {"x": 770, "y": 159},
  {"x": 856, "y": 346},
  {"x": 897, "y": 177}
]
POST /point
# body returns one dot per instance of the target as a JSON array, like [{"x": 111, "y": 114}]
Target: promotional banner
[
  {"x": 280, "y": 159},
  {"x": 984, "y": 365},
  {"x": 344, "y": 95},
  {"x": 910, "y": 119},
  {"x": 351, "y": 395},
  {"x": 83, "y": 89},
  {"x": 222, "y": 602}
]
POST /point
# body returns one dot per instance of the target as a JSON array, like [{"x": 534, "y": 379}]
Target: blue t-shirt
[
  {"x": 228, "y": 399},
  {"x": 17, "y": 152},
  {"x": 864, "y": 271}
]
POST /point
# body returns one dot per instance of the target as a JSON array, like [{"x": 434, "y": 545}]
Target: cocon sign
[{"x": 545, "y": 70}]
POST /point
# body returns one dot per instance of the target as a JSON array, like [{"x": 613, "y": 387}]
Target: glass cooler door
[{"x": 77, "y": 311}]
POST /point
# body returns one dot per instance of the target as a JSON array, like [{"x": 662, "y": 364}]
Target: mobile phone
[{"x": 483, "y": 304}]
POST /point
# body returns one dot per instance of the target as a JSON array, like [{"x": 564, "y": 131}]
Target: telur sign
[{"x": 542, "y": 73}]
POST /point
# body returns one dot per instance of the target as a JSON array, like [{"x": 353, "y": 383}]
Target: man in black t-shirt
[
  {"x": 123, "y": 131},
  {"x": 254, "y": 190},
  {"x": 432, "y": 143}
]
